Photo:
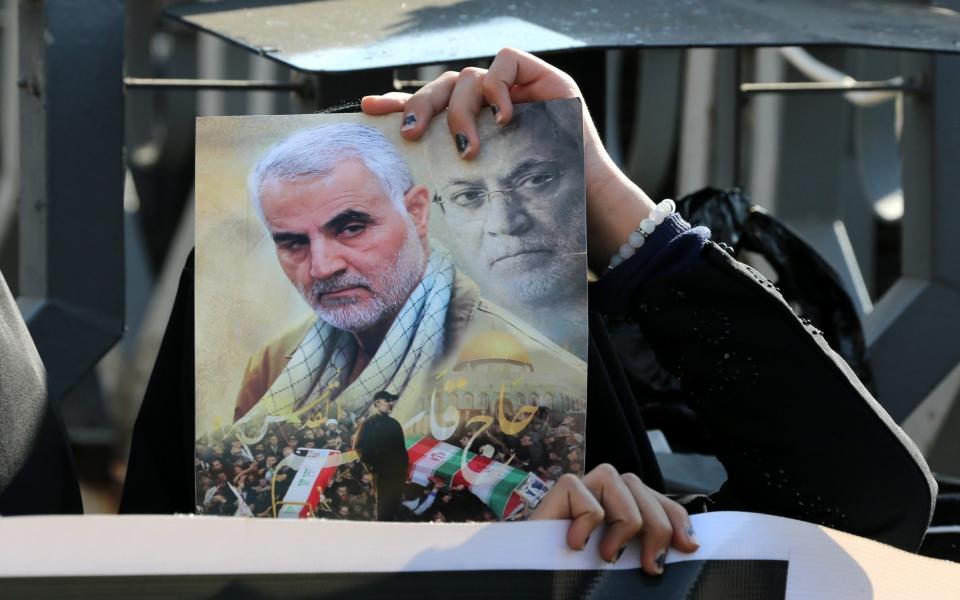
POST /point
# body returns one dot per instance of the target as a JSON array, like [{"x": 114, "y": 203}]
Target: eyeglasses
[{"x": 531, "y": 187}]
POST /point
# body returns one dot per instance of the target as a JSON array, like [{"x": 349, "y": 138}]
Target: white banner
[{"x": 820, "y": 562}]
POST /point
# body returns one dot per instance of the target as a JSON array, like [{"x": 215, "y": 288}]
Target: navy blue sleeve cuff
[{"x": 673, "y": 247}]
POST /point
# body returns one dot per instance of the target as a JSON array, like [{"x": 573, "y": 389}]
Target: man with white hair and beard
[{"x": 351, "y": 234}]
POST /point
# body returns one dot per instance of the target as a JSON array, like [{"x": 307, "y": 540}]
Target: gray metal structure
[
  {"x": 71, "y": 196},
  {"x": 913, "y": 333},
  {"x": 920, "y": 315},
  {"x": 351, "y": 35},
  {"x": 71, "y": 57}
]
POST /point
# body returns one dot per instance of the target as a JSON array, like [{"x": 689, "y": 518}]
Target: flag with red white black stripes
[{"x": 501, "y": 487}]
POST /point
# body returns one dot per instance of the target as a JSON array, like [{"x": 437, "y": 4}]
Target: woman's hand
[
  {"x": 615, "y": 205},
  {"x": 630, "y": 509},
  {"x": 513, "y": 76}
]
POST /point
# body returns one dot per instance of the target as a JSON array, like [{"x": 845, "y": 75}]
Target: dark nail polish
[
  {"x": 692, "y": 534},
  {"x": 620, "y": 553},
  {"x": 409, "y": 121},
  {"x": 463, "y": 143},
  {"x": 496, "y": 112},
  {"x": 661, "y": 560}
]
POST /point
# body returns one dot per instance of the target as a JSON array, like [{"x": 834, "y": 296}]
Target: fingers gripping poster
[{"x": 385, "y": 331}]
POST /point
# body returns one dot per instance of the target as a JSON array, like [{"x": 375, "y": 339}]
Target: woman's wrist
[{"x": 615, "y": 205}]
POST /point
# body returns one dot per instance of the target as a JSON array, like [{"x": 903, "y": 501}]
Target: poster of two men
[{"x": 385, "y": 331}]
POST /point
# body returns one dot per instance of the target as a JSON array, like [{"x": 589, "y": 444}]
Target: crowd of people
[
  {"x": 549, "y": 446},
  {"x": 234, "y": 478}
]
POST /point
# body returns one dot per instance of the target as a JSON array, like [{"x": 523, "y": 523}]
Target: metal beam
[
  {"x": 146, "y": 83},
  {"x": 813, "y": 87},
  {"x": 71, "y": 203}
]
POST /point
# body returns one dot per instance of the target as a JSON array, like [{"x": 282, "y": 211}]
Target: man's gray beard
[
  {"x": 526, "y": 289},
  {"x": 543, "y": 286},
  {"x": 386, "y": 295}
]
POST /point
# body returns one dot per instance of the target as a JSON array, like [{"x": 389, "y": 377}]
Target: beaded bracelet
[{"x": 639, "y": 235}]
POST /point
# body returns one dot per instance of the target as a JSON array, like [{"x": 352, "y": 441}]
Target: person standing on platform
[{"x": 380, "y": 444}]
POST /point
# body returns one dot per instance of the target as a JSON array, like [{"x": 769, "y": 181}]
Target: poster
[{"x": 383, "y": 330}]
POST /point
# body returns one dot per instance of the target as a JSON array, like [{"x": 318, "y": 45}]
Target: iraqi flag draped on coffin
[
  {"x": 501, "y": 487},
  {"x": 315, "y": 469}
]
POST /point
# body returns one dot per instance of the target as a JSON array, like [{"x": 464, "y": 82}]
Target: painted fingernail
[
  {"x": 661, "y": 560},
  {"x": 409, "y": 122},
  {"x": 619, "y": 554},
  {"x": 463, "y": 143},
  {"x": 692, "y": 535},
  {"x": 496, "y": 112}
]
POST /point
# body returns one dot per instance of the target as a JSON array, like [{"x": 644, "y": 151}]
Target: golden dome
[{"x": 494, "y": 346}]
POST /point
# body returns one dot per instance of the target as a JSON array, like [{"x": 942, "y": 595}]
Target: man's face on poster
[
  {"x": 384, "y": 406},
  {"x": 516, "y": 214},
  {"x": 353, "y": 254}
]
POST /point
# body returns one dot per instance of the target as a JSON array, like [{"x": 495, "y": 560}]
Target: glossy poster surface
[{"x": 383, "y": 330}]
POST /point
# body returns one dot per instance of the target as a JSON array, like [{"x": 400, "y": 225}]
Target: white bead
[
  {"x": 626, "y": 251},
  {"x": 657, "y": 215},
  {"x": 667, "y": 206},
  {"x": 647, "y": 226},
  {"x": 615, "y": 261},
  {"x": 636, "y": 239}
]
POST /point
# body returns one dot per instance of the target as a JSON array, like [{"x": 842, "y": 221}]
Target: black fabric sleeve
[
  {"x": 797, "y": 432},
  {"x": 160, "y": 468},
  {"x": 616, "y": 433}
]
